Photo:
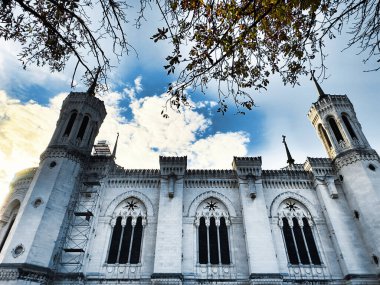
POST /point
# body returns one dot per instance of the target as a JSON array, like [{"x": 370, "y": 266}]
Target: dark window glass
[
  {"x": 126, "y": 242},
  {"x": 289, "y": 242},
  {"x": 302, "y": 251},
  {"x": 6, "y": 234},
  {"x": 70, "y": 124},
  {"x": 324, "y": 135},
  {"x": 311, "y": 243},
  {"x": 115, "y": 241},
  {"x": 349, "y": 127},
  {"x": 136, "y": 244},
  {"x": 224, "y": 247},
  {"x": 213, "y": 240},
  {"x": 335, "y": 130},
  {"x": 83, "y": 127},
  {"x": 89, "y": 137},
  {"x": 202, "y": 236}
]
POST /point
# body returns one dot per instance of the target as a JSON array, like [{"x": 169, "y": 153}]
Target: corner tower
[
  {"x": 354, "y": 161},
  {"x": 40, "y": 220}
]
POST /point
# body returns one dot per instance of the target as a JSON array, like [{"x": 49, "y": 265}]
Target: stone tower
[
  {"x": 34, "y": 233},
  {"x": 354, "y": 161}
]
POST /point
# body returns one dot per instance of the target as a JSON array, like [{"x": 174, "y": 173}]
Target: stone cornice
[
  {"x": 59, "y": 152},
  {"x": 354, "y": 155},
  {"x": 211, "y": 183},
  {"x": 133, "y": 183}
]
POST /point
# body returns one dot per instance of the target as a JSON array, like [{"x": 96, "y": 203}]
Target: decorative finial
[
  {"x": 115, "y": 147},
  {"x": 91, "y": 89},
  {"x": 290, "y": 160},
  {"x": 319, "y": 89}
]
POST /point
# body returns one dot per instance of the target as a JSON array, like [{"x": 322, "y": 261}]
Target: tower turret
[
  {"x": 334, "y": 119},
  {"x": 40, "y": 220},
  {"x": 355, "y": 163},
  {"x": 78, "y": 124}
]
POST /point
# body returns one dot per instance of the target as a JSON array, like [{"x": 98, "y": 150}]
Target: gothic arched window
[
  {"x": 325, "y": 138},
  {"x": 127, "y": 232},
  {"x": 296, "y": 224},
  {"x": 83, "y": 127},
  {"x": 70, "y": 124},
  {"x": 10, "y": 216},
  {"x": 335, "y": 130},
  {"x": 212, "y": 220},
  {"x": 348, "y": 126}
]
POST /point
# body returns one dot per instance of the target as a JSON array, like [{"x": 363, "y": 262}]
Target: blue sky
[{"x": 30, "y": 101}]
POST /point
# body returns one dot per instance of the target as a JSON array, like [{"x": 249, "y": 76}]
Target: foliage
[{"x": 239, "y": 44}]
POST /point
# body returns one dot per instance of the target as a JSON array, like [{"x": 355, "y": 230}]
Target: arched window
[
  {"x": 295, "y": 222},
  {"x": 324, "y": 136},
  {"x": 335, "y": 130},
  {"x": 11, "y": 216},
  {"x": 127, "y": 233},
  {"x": 70, "y": 124},
  {"x": 348, "y": 126},
  {"x": 83, "y": 127},
  {"x": 212, "y": 222}
]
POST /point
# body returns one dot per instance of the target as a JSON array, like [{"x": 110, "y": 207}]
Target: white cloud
[{"x": 25, "y": 131}]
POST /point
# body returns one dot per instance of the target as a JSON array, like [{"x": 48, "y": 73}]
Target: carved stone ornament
[
  {"x": 131, "y": 207},
  {"x": 18, "y": 250},
  {"x": 290, "y": 209},
  {"x": 212, "y": 208}
]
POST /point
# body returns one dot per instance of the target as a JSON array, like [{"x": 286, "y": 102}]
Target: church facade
[{"x": 79, "y": 218}]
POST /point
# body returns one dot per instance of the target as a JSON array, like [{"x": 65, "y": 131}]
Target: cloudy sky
[{"x": 30, "y": 101}]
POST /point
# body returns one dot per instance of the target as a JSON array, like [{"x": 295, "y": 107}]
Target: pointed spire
[
  {"x": 115, "y": 147},
  {"x": 319, "y": 89},
  {"x": 290, "y": 160},
  {"x": 91, "y": 89}
]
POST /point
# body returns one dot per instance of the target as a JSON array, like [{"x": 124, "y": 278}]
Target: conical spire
[
  {"x": 319, "y": 89},
  {"x": 91, "y": 89},
  {"x": 115, "y": 147},
  {"x": 290, "y": 160}
]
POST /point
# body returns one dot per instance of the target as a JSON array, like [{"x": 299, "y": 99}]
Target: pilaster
[
  {"x": 168, "y": 251},
  {"x": 260, "y": 247}
]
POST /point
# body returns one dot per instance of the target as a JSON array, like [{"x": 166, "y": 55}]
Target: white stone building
[{"x": 80, "y": 218}]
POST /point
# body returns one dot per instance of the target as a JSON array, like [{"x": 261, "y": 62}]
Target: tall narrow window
[
  {"x": 349, "y": 127},
  {"x": 10, "y": 215},
  {"x": 289, "y": 242},
  {"x": 335, "y": 130},
  {"x": 115, "y": 242},
  {"x": 213, "y": 244},
  {"x": 202, "y": 236},
  {"x": 7, "y": 233},
  {"x": 224, "y": 247},
  {"x": 298, "y": 236},
  {"x": 70, "y": 124},
  {"x": 323, "y": 134},
  {"x": 126, "y": 239},
  {"x": 83, "y": 127}
]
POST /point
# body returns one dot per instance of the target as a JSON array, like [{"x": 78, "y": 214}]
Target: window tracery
[
  {"x": 212, "y": 221},
  {"x": 128, "y": 222},
  {"x": 296, "y": 224}
]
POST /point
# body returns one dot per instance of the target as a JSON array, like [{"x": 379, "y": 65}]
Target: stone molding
[
  {"x": 24, "y": 271},
  {"x": 133, "y": 183},
  {"x": 191, "y": 211},
  {"x": 352, "y": 156},
  {"x": 287, "y": 184},
  {"x": 70, "y": 154},
  {"x": 205, "y": 183},
  {"x": 129, "y": 194},
  {"x": 273, "y": 210}
]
